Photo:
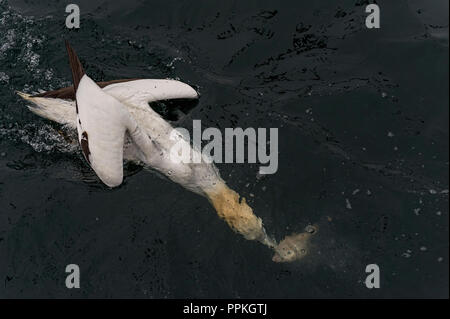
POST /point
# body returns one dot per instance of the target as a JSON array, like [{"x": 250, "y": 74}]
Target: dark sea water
[{"x": 363, "y": 150}]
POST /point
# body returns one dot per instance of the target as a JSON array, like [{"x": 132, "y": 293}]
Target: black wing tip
[{"x": 75, "y": 65}]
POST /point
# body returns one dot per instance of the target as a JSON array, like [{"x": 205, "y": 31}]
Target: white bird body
[
  {"x": 115, "y": 122},
  {"x": 107, "y": 122}
]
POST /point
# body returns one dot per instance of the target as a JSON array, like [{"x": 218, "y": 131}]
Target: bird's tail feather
[{"x": 57, "y": 110}]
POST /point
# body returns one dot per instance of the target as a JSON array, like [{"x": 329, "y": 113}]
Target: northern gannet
[{"x": 115, "y": 122}]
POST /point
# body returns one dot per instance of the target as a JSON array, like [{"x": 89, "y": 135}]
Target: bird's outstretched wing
[
  {"x": 142, "y": 92},
  {"x": 68, "y": 93},
  {"x": 102, "y": 122}
]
